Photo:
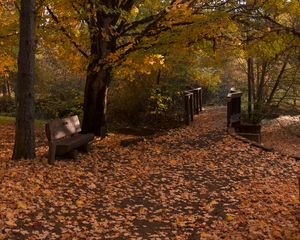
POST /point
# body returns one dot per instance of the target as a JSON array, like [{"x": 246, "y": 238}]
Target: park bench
[
  {"x": 247, "y": 130},
  {"x": 64, "y": 138}
]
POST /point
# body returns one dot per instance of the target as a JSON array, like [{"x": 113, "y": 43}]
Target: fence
[{"x": 192, "y": 104}]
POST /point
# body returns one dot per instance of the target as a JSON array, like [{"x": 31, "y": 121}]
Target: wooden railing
[{"x": 192, "y": 104}]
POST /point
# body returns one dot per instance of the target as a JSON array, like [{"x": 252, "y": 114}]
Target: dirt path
[{"x": 195, "y": 182}]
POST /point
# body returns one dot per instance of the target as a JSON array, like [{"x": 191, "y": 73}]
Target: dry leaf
[{"x": 22, "y": 204}]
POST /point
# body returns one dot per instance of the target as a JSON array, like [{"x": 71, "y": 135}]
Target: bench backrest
[{"x": 60, "y": 128}]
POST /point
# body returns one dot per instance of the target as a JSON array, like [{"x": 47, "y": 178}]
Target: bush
[
  {"x": 48, "y": 107},
  {"x": 7, "y": 105}
]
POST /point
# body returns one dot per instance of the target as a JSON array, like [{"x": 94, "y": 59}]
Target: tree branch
[
  {"x": 9, "y": 35},
  {"x": 286, "y": 28},
  {"x": 66, "y": 33}
]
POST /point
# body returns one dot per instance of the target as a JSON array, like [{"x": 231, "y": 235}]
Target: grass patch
[{"x": 11, "y": 120}]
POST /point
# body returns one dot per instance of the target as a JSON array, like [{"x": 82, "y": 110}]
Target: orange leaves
[
  {"x": 190, "y": 182},
  {"x": 142, "y": 211},
  {"x": 80, "y": 203},
  {"x": 173, "y": 162},
  {"x": 140, "y": 64},
  {"x": 47, "y": 192},
  {"x": 7, "y": 64},
  {"x": 229, "y": 217},
  {"x": 22, "y": 205},
  {"x": 135, "y": 161},
  {"x": 211, "y": 205},
  {"x": 10, "y": 218},
  {"x": 92, "y": 186}
]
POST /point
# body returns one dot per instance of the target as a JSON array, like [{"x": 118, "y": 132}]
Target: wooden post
[
  {"x": 191, "y": 100},
  {"x": 187, "y": 107},
  {"x": 200, "y": 99},
  {"x": 229, "y": 110},
  {"x": 234, "y": 108},
  {"x": 51, "y": 152},
  {"x": 299, "y": 187},
  {"x": 196, "y": 100},
  {"x": 198, "y": 95}
]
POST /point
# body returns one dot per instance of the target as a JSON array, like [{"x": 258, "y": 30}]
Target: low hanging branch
[
  {"x": 9, "y": 35},
  {"x": 66, "y": 33},
  {"x": 279, "y": 77}
]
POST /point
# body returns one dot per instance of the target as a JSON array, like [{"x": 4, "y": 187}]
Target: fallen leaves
[
  {"x": 22, "y": 205},
  {"x": 190, "y": 183},
  {"x": 229, "y": 217},
  {"x": 79, "y": 203}
]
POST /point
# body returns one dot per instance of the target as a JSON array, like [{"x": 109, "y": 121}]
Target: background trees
[{"x": 149, "y": 51}]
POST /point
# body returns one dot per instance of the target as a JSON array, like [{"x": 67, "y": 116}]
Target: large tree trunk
[
  {"x": 98, "y": 79},
  {"x": 95, "y": 101},
  {"x": 25, "y": 133}
]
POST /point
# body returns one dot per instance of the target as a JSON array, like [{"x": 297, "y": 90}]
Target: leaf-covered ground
[
  {"x": 283, "y": 133},
  {"x": 195, "y": 182}
]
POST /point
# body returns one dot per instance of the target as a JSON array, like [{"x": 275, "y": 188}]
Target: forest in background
[{"x": 162, "y": 48}]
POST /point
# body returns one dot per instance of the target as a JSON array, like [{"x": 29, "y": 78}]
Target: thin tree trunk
[
  {"x": 250, "y": 85},
  {"x": 158, "y": 77},
  {"x": 260, "y": 86},
  {"x": 25, "y": 133},
  {"x": 4, "y": 89},
  {"x": 279, "y": 77},
  {"x": 8, "y": 88},
  {"x": 291, "y": 85}
]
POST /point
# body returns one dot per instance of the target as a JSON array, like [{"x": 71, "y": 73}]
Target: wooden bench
[{"x": 64, "y": 138}]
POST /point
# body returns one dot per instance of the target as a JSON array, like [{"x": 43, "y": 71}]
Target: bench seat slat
[{"x": 65, "y": 145}]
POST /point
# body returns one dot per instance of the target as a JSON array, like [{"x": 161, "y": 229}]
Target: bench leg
[
  {"x": 74, "y": 154},
  {"x": 51, "y": 153},
  {"x": 85, "y": 148}
]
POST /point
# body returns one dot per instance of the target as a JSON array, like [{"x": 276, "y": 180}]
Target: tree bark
[
  {"x": 8, "y": 88},
  {"x": 95, "y": 101},
  {"x": 250, "y": 85},
  {"x": 25, "y": 133},
  {"x": 98, "y": 79},
  {"x": 260, "y": 87},
  {"x": 4, "y": 89}
]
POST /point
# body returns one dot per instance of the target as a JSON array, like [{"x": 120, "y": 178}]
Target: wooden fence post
[
  {"x": 234, "y": 108},
  {"x": 229, "y": 110},
  {"x": 200, "y": 99},
  {"x": 196, "y": 100},
  {"x": 192, "y": 104},
  {"x": 187, "y": 107},
  {"x": 191, "y": 100}
]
